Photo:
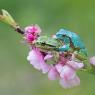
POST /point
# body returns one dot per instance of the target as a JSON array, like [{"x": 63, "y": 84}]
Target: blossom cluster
[{"x": 64, "y": 69}]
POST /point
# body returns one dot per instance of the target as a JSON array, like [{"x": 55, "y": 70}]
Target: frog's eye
[
  {"x": 43, "y": 43},
  {"x": 64, "y": 36},
  {"x": 61, "y": 36}
]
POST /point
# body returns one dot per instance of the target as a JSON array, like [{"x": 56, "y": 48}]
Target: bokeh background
[{"x": 17, "y": 76}]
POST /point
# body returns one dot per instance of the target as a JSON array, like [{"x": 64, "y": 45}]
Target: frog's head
[
  {"x": 47, "y": 43},
  {"x": 42, "y": 42},
  {"x": 63, "y": 35},
  {"x": 41, "y": 45}
]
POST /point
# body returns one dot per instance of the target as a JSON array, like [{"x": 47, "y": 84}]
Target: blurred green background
[{"x": 17, "y": 77}]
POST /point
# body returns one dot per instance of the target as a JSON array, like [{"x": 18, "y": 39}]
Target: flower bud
[{"x": 8, "y": 19}]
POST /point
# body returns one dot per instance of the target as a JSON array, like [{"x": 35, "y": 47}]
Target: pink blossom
[
  {"x": 68, "y": 77},
  {"x": 67, "y": 73},
  {"x": 33, "y": 29},
  {"x": 36, "y": 59},
  {"x": 92, "y": 60},
  {"x": 32, "y": 33}
]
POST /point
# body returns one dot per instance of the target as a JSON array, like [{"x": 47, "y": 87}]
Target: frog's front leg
[{"x": 64, "y": 48}]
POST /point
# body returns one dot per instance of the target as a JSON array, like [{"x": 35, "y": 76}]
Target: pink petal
[
  {"x": 33, "y": 29},
  {"x": 67, "y": 73},
  {"x": 44, "y": 67},
  {"x": 59, "y": 67},
  {"x": 34, "y": 60},
  {"x": 53, "y": 74},
  {"x": 29, "y": 37},
  {"x": 75, "y": 65},
  {"x": 70, "y": 83},
  {"x": 48, "y": 56},
  {"x": 92, "y": 60}
]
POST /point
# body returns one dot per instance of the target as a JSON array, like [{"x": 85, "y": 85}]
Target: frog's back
[
  {"x": 53, "y": 42},
  {"x": 76, "y": 40},
  {"x": 49, "y": 41}
]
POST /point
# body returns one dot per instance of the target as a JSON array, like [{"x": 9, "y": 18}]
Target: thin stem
[{"x": 19, "y": 30}]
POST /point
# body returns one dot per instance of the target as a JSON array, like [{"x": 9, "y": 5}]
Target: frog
[
  {"x": 49, "y": 44},
  {"x": 72, "y": 43}
]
